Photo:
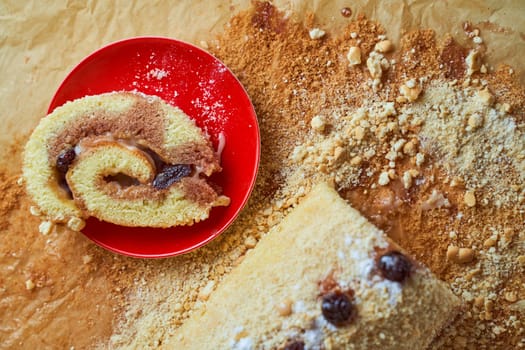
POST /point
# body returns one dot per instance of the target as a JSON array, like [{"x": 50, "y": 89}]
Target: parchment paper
[{"x": 41, "y": 43}]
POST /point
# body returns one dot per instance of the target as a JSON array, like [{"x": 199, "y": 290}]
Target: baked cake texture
[
  {"x": 125, "y": 158},
  {"x": 324, "y": 278}
]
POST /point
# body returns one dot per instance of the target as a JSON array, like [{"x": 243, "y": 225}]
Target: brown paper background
[{"x": 42, "y": 41}]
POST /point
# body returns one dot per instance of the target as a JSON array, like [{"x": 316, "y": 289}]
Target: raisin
[
  {"x": 171, "y": 174},
  {"x": 294, "y": 345},
  {"x": 65, "y": 159},
  {"x": 337, "y": 308},
  {"x": 394, "y": 266}
]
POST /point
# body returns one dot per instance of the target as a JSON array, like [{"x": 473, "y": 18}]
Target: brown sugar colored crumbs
[{"x": 322, "y": 118}]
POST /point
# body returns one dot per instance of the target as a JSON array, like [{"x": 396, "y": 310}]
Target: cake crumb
[
  {"x": 410, "y": 91},
  {"x": 473, "y": 62},
  {"x": 511, "y": 297},
  {"x": 486, "y": 97},
  {"x": 250, "y": 242},
  {"x": 384, "y": 179},
  {"x": 318, "y": 123},
  {"x": 452, "y": 252},
  {"x": 436, "y": 200},
  {"x": 373, "y": 63},
  {"x": 465, "y": 255},
  {"x": 354, "y": 56},
  {"x": 420, "y": 158},
  {"x": 461, "y": 255},
  {"x": 410, "y": 148},
  {"x": 46, "y": 227},
  {"x": 407, "y": 180},
  {"x": 316, "y": 33},
  {"x": 470, "y": 199},
  {"x": 483, "y": 69},
  {"x": 76, "y": 224},
  {"x": 30, "y": 285},
  {"x": 490, "y": 242},
  {"x": 35, "y": 211},
  {"x": 384, "y": 46}
]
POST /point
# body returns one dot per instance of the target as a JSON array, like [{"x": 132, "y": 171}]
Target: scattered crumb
[
  {"x": 354, "y": 56},
  {"x": 318, "y": 123},
  {"x": 46, "y": 227},
  {"x": 316, "y": 33},
  {"x": 30, "y": 285},
  {"x": 384, "y": 46},
  {"x": 470, "y": 199}
]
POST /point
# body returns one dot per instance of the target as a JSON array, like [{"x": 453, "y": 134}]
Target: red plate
[{"x": 198, "y": 83}]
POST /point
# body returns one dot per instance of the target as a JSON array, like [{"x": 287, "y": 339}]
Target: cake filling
[
  {"x": 140, "y": 130},
  {"x": 142, "y": 126},
  {"x": 165, "y": 174}
]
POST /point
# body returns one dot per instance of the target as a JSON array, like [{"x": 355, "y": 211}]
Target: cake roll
[
  {"x": 323, "y": 278},
  {"x": 122, "y": 157}
]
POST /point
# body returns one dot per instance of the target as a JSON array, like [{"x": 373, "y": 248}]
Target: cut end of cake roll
[
  {"x": 324, "y": 278},
  {"x": 125, "y": 158}
]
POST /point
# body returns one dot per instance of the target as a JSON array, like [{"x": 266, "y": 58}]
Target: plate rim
[{"x": 253, "y": 173}]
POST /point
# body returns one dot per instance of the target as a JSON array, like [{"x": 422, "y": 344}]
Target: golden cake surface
[{"x": 323, "y": 278}]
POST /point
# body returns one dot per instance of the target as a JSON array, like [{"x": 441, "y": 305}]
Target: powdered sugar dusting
[
  {"x": 151, "y": 76},
  {"x": 314, "y": 337},
  {"x": 214, "y": 113},
  {"x": 243, "y": 344},
  {"x": 157, "y": 73},
  {"x": 182, "y": 80},
  {"x": 361, "y": 251},
  {"x": 393, "y": 290}
]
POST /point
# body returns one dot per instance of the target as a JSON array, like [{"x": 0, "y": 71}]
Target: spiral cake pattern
[{"x": 122, "y": 157}]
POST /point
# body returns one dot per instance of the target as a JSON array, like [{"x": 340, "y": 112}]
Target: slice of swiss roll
[{"x": 125, "y": 158}]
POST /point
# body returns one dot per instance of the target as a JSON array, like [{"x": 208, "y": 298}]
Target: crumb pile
[{"x": 420, "y": 136}]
